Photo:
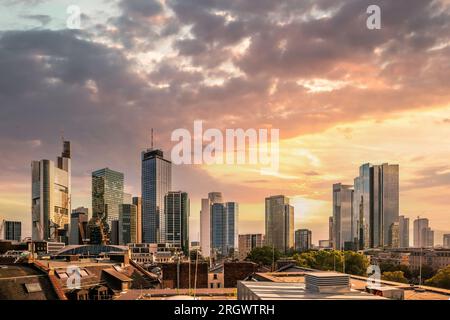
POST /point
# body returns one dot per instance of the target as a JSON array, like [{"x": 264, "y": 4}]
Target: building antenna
[{"x": 152, "y": 139}]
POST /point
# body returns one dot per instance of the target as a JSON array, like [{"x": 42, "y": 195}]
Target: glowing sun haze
[{"x": 341, "y": 95}]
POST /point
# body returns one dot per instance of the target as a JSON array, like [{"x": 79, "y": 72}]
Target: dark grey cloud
[
  {"x": 106, "y": 102},
  {"x": 43, "y": 19}
]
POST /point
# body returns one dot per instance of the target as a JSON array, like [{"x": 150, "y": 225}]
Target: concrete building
[
  {"x": 137, "y": 201},
  {"x": 156, "y": 182},
  {"x": 403, "y": 223},
  {"x": 394, "y": 235},
  {"x": 205, "y": 221},
  {"x": 78, "y": 226},
  {"x": 107, "y": 195},
  {"x": 50, "y": 196},
  {"x": 279, "y": 223},
  {"x": 303, "y": 240},
  {"x": 423, "y": 235},
  {"x": 446, "y": 241},
  {"x": 177, "y": 211},
  {"x": 344, "y": 232},
  {"x": 184, "y": 275},
  {"x": 11, "y": 230},
  {"x": 224, "y": 229},
  {"x": 247, "y": 242}
]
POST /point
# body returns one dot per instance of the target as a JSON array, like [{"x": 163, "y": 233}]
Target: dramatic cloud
[{"x": 300, "y": 65}]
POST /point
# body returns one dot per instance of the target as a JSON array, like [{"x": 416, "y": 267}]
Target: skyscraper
[
  {"x": 107, "y": 195},
  {"x": 344, "y": 229},
  {"x": 303, "y": 240},
  {"x": 78, "y": 226},
  {"x": 247, "y": 242},
  {"x": 423, "y": 235},
  {"x": 330, "y": 231},
  {"x": 137, "y": 201},
  {"x": 11, "y": 230},
  {"x": 224, "y": 228},
  {"x": 403, "y": 223},
  {"x": 376, "y": 205},
  {"x": 205, "y": 221},
  {"x": 156, "y": 182},
  {"x": 279, "y": 223},
  {"x": 446, "y": 241},
  {"x": 127, "y": 224},
  {"x": 50, "y": 196},
  {"x": 177, "y": 206}
]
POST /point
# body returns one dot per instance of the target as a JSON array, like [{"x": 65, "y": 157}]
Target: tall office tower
[
  {"x": 224, "y": 229},
  {"x": 403, "y": 230},
  {"x": 205, "y": 221},
  {"x": 376, "y": 205},
  {"x": 78, "y": 226},
  {"x": 386, "y": 202},
  {"x": 303, "y": 240},
  {"x": 137, "y": 201},
  {"x": 11, "y": 230},
  {"x": 423, "y": 235},
  {"x": 362, "y": 206},
  {"x": 247, "y": 242},
  {"x": 394, "y": 235},
  {"x": 156, "y": 182},
  {"x": 279, "y": 223},
  {"x": 50, "y": 196},
  {"x": 344, "y": 229},
  {"x": 127, "y": 224},
  {"x": 114, "y": 236},
  {"x": 177, "y": 206},
  {"x": 127, "y": 198},
  {"x": 446, "y": 241},
  {"x": 107, "y": 195},
  {"x": 330, "y": 231}
]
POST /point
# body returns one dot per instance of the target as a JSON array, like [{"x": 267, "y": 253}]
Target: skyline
[
  {"x": 360, "y": 96},
  {"x": 196, "y": 224}
]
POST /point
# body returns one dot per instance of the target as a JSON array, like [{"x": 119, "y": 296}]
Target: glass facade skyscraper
[
  {"x": 127, "y": 224},
  {"x": 279, "y": 223},
  {"x": 156, "y": 182},
  {"x": 343, "y": 238},
  {"x": 376, "y": 205},
  {"x": 107, "y": 194},
  {"x": 224, "y": 228},
  {"x": 303, "y": 240},
  {"x": 176, "y": 208}
]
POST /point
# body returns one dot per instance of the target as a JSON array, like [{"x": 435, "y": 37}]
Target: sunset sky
[{"x": 340, "y": 94}]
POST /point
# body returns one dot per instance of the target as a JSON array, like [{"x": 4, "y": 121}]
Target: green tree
[
  {"x": 427, "y": 272},
  {"x": 263, "y": 256},
  {"x": 395, "y": 276},
  {"x": 441, "y": 279},
  {"x": 356, "y": 263}
]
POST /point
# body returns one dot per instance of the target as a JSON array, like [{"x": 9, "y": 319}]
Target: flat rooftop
[
  {"x": 266, "y": 290},
  {"x": 358, "y": 283},
  {"x": 164, "y": 294}
]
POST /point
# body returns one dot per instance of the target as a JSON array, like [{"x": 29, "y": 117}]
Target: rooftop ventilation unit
[{"x": 327, "y": 282}]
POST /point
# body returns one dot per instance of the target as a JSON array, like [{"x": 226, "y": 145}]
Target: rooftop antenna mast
[{"x": 152, "y": 139}]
